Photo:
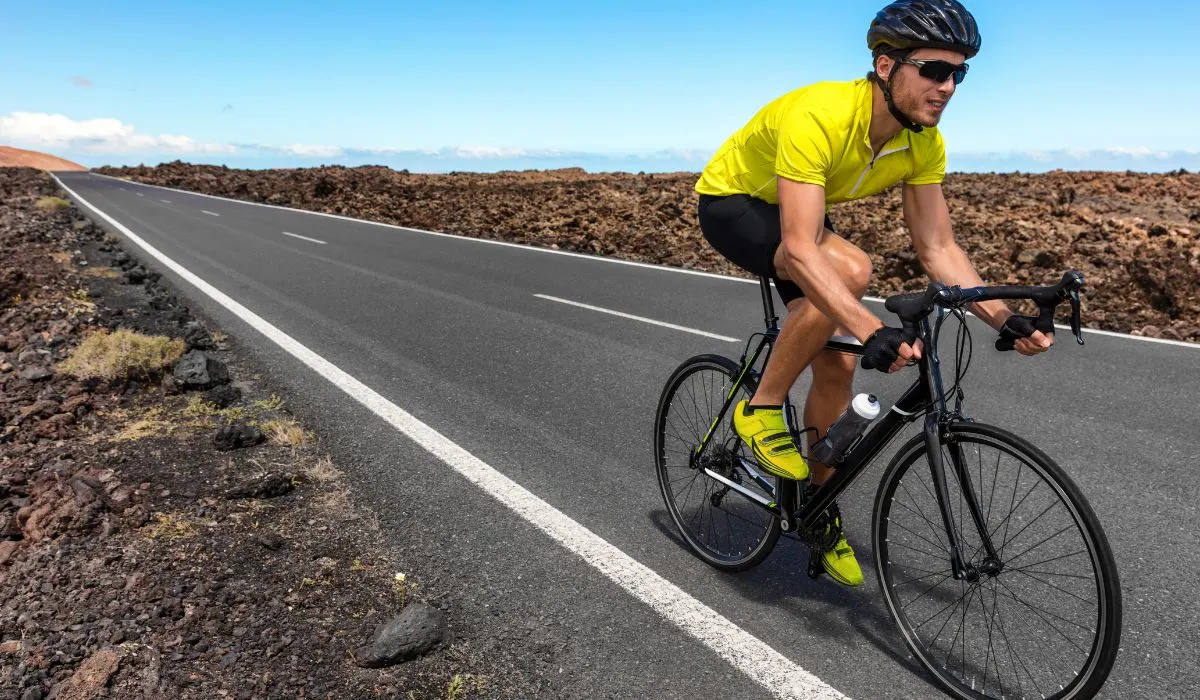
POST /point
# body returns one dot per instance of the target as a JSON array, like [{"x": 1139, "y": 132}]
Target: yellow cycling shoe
[
  {"x": 841, "y": 565},
  {"x": 765, "y": 431}
]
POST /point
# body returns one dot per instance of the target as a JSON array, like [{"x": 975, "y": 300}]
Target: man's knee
[{"x": 852, "y": 263}]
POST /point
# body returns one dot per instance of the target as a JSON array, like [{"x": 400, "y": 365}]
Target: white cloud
[
  {"x": 80, "y": 81},
  {"x": 309, "y": 151},
  {"x": 56, "y": 132}
]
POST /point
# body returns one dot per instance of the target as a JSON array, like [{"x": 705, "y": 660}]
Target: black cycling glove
[
  {"x": 1015, "y": 328},
  {"x": 883, "y": 347}
]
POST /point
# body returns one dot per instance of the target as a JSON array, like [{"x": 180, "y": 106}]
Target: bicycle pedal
[{"x": 815, "y": 568}]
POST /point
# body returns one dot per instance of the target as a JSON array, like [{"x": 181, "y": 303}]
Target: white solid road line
[
  {"x": 210, "y": 213},
  {"x": 306, "y": 238},
  {"x": 599, "y": 258},
  {"x": 776, "y": 673},
  {"x": 643, "y": 319}
]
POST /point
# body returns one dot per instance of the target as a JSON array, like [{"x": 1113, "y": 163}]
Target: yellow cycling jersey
[{"x": 820, "y": 134}]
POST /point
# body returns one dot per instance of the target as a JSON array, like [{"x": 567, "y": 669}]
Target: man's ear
[{"x": 884, "y": 65}]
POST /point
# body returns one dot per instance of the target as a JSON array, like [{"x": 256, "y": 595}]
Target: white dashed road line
[
  {"x": 165, "y": 201},
  {"x": 304, "y": 238},
  {"x": 210, "y": 213},
  {"x": 643, "y": 319}
]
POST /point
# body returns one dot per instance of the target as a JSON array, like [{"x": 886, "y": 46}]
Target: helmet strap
[{"x": 886, "y": 87}]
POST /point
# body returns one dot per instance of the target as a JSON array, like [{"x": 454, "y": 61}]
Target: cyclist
[{"x": 763, "y": 202}]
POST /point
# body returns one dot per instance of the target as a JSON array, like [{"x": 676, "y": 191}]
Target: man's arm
[
  {"x": 928, "y": 219},
  {"x": 802, "y": 217}
]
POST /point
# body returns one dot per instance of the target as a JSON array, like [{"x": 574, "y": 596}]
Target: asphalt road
[{"x": 560, "y": 399}]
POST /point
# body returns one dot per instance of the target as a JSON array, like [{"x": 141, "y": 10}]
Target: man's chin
[{"x": 929, "y": 120}]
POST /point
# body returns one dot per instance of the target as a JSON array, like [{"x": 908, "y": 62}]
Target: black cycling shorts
[{"x": 746, "y": 231}]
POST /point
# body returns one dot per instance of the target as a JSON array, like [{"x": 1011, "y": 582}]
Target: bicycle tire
[
  {"x": 1013, "y": 677},
  {"x": 678, "y": 428}
]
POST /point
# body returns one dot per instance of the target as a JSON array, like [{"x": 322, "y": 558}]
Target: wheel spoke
[
  {"x": 1045, "y": 582},
  {"x": 1039, "y": 544}
]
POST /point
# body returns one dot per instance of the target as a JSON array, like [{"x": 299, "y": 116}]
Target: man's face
[{"x": 920, "y": 98}]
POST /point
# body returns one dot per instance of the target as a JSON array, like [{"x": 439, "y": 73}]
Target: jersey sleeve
[
  {"x": 930, "y": 168},
  {"x": 804, "y": 152}
]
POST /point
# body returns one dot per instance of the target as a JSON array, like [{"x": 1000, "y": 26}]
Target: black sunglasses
[{"x": 938, "y": 71}]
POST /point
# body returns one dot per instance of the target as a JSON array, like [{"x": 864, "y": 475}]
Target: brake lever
[{"x": 1076, "y": 322}]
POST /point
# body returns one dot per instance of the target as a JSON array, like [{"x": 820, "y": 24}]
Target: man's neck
[{"x": 883, "y": 125}]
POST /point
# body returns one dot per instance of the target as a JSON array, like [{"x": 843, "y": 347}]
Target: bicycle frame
[{"x": 925, "y": 396}]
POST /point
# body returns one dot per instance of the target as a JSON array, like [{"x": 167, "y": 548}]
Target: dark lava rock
[
  {"x": 269, "y": 486},
  {"x": 198, "y": 338},
  {"x": 238, "y": 433},
  {"x": 269, "y": 540},
  {"x": 415, "y": 631},
  {"x": 196, "y": 370},
  {"x": 135, "y": 275},
  {"x": 223, "y": 396},
  {"x": 34, "y": 373}
]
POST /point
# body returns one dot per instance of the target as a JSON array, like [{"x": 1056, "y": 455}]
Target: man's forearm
[{"x": 951, "y": 266}]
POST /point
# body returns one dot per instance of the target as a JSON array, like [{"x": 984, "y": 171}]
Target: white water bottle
[{"x": 846, "y": 429}]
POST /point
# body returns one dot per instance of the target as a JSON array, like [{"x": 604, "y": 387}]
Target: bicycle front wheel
[
  {"x": 722, "y": 526},
  {"x": 1044, "y": 620}
]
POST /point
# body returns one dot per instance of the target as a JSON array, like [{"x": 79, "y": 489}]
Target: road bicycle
[{"x": 991, "y": 562}]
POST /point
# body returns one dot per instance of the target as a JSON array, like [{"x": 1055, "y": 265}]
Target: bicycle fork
[{"x": 934, "y": 440}]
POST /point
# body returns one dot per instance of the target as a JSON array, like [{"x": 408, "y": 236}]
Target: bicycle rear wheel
[
  {"x": 723, "y": 527},
  {"x": 1047, "y": 624}
]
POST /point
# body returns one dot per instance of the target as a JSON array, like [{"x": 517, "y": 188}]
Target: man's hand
[
  {"x": 890, "y": 350},
  {"x": 1027, "y": 340}
]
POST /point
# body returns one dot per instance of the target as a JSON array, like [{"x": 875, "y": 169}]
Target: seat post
[{"x": 771, "y": 319}]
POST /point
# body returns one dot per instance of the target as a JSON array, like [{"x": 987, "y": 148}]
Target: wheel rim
[
  {"x": 723, "y": 526},
  {"x": 1032, "y": 630}
]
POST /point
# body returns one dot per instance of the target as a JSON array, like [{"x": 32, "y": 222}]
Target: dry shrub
[{"x": 122, "y": 355}]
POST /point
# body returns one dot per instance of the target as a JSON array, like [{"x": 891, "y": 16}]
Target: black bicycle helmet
[
  {"x": 916, "y": 24},
  {"x": 907, "y": 25}
]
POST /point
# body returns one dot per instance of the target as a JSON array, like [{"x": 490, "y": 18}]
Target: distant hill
[{"x": 17, "y": 158}]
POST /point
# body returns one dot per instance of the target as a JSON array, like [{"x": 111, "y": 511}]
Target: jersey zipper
[{"x": 871, "y": 165}]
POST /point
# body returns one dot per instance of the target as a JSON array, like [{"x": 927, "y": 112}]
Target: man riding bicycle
[{"x": 763, "y": 199}]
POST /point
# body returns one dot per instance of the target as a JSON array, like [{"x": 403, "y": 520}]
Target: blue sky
[{"x": 606, "y": 86}]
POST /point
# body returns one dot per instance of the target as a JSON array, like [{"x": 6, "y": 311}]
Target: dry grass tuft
[
  {"x": 52, "y": 204},
  {"x": 464, "y": 685},
  {"x": 105, "y": 272},
  {"x": 122, "y": 355},
  {"x": 323, "y": 472},
  {"x": 272, "y": 404},
  {"x": 148, "y": 425},
  {"x": 61, "y": 257},
  {"x": 170, "y": 527},
  {"x": 197, "y": 407},
  {"x": 285, "y": 431}
]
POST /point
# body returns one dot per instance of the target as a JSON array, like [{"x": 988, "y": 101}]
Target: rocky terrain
[
  {"x": 1135, "y": 236},
  {"x": 167, "y": 528}
]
